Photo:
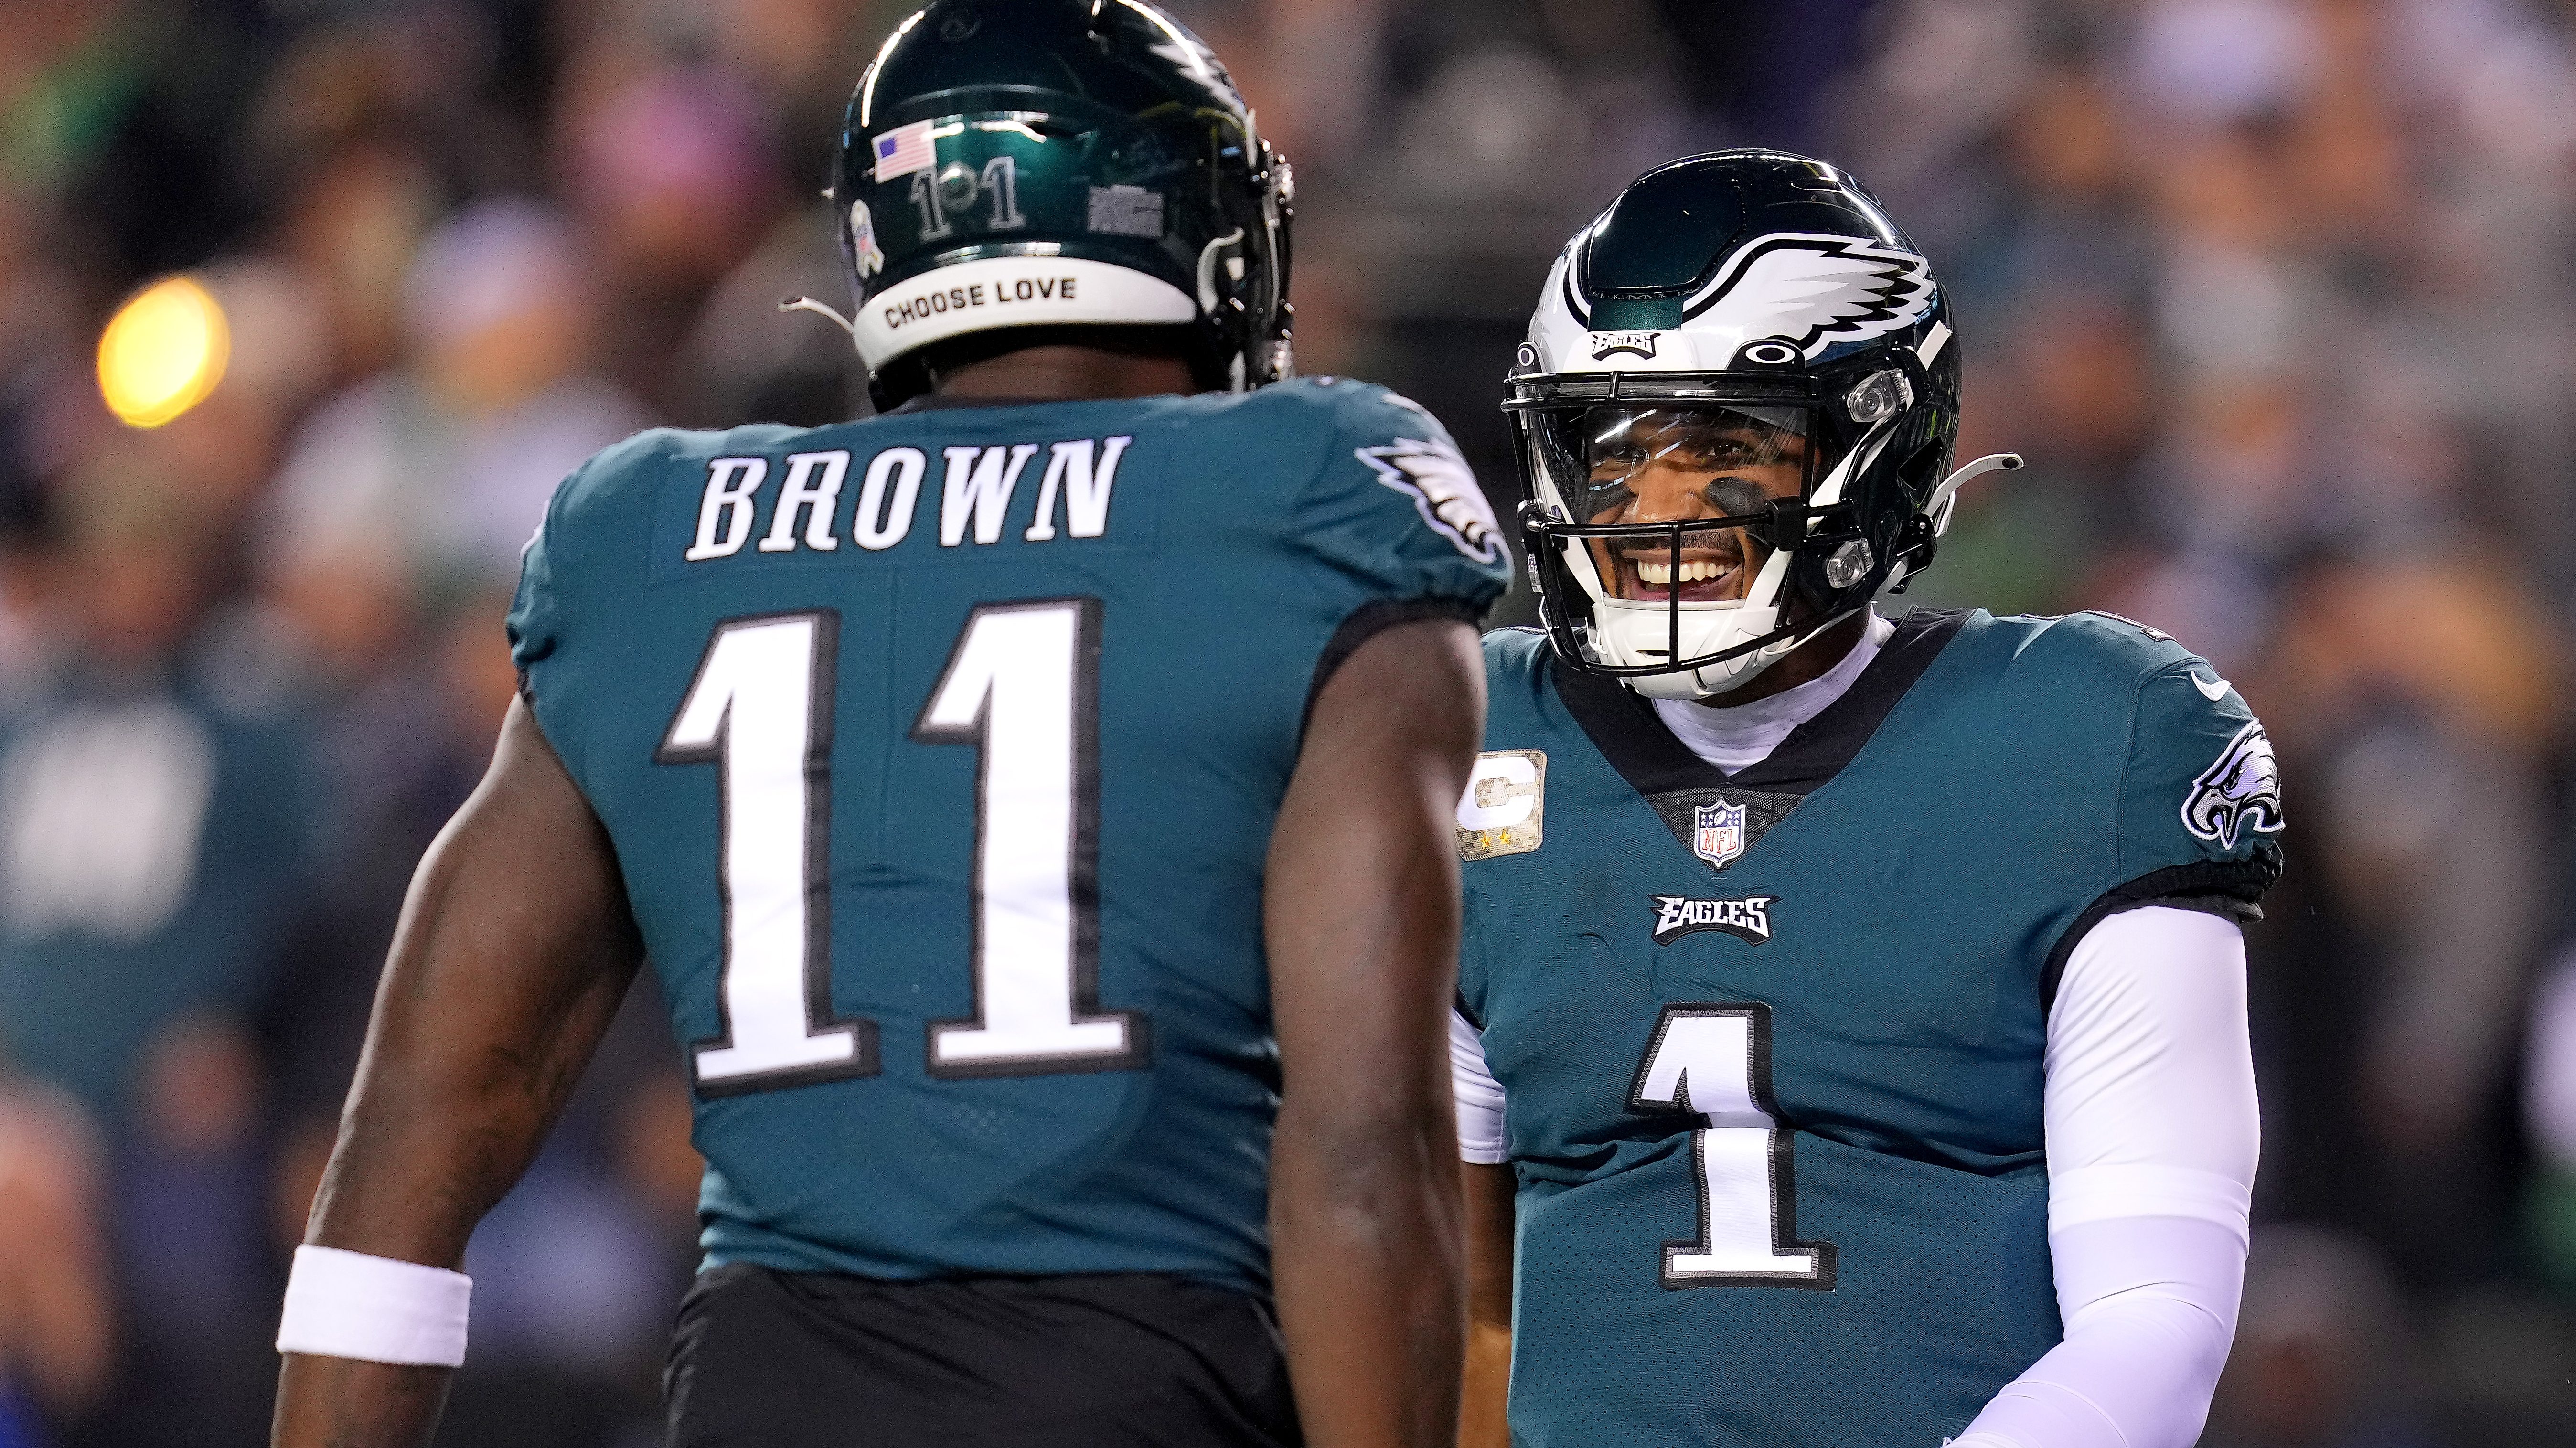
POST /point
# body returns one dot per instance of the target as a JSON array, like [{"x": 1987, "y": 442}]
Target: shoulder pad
[
  {"x": 2106, "y": 643},
  {"x": 1515, "y": 650}
]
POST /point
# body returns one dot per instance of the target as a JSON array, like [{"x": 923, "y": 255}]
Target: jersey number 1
[
  {"x": 1714, "y": 1061},
  {"x": 1022, "y": 687}
]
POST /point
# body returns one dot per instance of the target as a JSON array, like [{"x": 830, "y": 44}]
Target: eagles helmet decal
[
  {"x": 1815, "y": 291},
  {"x": 1806, "y": 290}
]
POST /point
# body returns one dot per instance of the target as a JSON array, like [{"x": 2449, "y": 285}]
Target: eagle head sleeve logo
[{"x": 2240, "y": 790}]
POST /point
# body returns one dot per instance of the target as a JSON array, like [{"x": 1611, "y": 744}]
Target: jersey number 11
[{"x": 1022, "y": 687}]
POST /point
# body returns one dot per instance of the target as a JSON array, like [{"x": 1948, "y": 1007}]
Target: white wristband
[{"x": 374, "y": 1309}]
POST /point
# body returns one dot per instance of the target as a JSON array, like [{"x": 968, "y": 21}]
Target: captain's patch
[
  {"x": 2240, "y": 790},
  {"x": 1444, "y": 491},
  {"x": 1717, "y": 832},
  {"x": 1504, "y": 809},
  {"x": 1747, "y": 919}
]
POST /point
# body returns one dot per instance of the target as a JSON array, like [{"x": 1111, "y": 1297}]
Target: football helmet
[
  {"x": 1734, "y": 417},
  {"x": 1054, "y": 164}
]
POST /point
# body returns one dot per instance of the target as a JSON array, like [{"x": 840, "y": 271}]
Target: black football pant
[{"x": 768, "y": 1359}]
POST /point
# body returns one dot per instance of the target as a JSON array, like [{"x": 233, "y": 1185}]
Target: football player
[
  {"x": 1035, "y": 802},
  {"x": 1851, "y": 1038}
]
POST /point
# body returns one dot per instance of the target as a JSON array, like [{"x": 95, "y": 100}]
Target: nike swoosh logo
[{"x": 2212, "y": 692}]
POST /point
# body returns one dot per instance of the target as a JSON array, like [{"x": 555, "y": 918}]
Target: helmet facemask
[{"x": 1693, "y": 531}]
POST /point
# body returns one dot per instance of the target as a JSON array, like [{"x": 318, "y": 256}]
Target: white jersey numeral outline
[
  {"x": 1714, "y": 1062},
  {"x": 1022, "y": 686},
  {"x": 760, "y": 709}
]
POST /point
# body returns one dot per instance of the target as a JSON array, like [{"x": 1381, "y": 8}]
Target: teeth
[{"x": 1693, "y": 571}]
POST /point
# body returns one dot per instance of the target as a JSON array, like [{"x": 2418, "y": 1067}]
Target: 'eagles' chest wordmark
[{"x": 1747, "y": 918}]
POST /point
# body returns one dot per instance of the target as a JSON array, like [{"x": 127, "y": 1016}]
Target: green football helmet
[{"x": 1043, "y": 168}]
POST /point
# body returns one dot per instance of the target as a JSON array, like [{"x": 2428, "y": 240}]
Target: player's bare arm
[
  {"x": 1488, "y": 1192},
  {"x": 514, "y": 950},
  {"x": 1362, "y": 916}
]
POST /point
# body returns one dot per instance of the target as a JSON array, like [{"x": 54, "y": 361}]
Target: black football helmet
[
  {"x": 1052, "y": 164},
  {"x": 1735, "y": 414}
]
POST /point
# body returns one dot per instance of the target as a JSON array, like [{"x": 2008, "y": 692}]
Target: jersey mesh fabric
[
  {"x": 1233, "y": 538},
  {"x": 1915, "y": 901}
]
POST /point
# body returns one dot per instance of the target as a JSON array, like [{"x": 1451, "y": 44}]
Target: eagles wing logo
[
  {"x": 2242, "y": 789},
  {"x": 1444, "y": 491},
  {"x": 1812, "y": 291}
]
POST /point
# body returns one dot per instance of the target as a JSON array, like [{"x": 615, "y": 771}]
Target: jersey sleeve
[
  {"x": 551, "y": 566},
  {"x": 534, "y": 615},
  {"x": 2200, "y": 813},
  {"x": 1397, "y": 512}
]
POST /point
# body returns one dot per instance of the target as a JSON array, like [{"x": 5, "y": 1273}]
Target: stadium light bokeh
[{"x": 162, "y": 352}]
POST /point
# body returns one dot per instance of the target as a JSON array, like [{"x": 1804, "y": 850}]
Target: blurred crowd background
[{"x": 2277, "y": 296}]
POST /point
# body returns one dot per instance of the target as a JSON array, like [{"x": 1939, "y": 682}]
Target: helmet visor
[{"x": 1675, "y": 504}]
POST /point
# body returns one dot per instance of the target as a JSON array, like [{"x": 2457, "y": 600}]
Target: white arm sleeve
[
  {"x": 1479, "y": 1095},
  {"x": 2152, "y": 1136}
]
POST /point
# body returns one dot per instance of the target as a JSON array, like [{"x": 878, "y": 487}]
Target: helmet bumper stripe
[{"x": 1012, "y": 291}]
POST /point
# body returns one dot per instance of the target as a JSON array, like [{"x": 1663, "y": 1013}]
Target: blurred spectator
[
  {"x": 437, "y": 474},
  {"x": 2549, "y": 1102},
  {"x": 673, "y": 181},
  {"x": 55, "y": 1317},
  {"x": 154, "y": 810},
  {"x": 153, "y": 805}
]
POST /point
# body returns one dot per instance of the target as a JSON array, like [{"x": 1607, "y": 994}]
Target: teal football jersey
[
  {"x": 1771, "y": 1042},
  {"x": 940, "y": 752}
]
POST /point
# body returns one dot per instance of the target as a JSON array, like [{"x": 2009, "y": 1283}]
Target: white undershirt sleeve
[
  {"x": 1479, "y": 1096},
  {"x": 2152, "y": 1135}
]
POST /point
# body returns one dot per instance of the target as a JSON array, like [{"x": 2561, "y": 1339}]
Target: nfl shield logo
[{"x": 1719, "y": 836}]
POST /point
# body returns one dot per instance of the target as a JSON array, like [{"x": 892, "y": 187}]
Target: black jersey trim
[
  {"x": 944, "y": 402},
  {"x": 1467, "y": 1013},
  {"x": 1368, "y": 621},
  {"x": 2230, "y": 889},
  {"x": 1623, "y": 726}
]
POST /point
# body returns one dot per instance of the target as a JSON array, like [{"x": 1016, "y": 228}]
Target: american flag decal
[{"x": 904, "y": 150}]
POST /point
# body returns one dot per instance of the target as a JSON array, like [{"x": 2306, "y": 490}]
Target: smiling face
[{"x": 1667, "y": 466}]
